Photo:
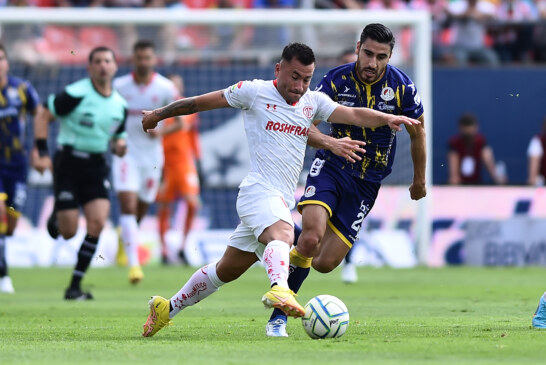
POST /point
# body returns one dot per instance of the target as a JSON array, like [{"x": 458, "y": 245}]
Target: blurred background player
[
  {"x": 17, "y": 99},
  {"x": 180, "y": 177},
  {"x": 467, "y": 151},
  {"x": 536, "y": 160},
  {"x": 137, "y": 174},
  {"x": 92, "y": 113},
  {"x": 339, "y": 193}
]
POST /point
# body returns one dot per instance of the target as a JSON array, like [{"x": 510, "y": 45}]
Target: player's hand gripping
[
  {"x": 394, "y": 121},
  {"x": 347, "y": 148},
  {"x": 149, "y": 120}
]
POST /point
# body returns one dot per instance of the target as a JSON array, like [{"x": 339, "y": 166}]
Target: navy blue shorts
[
  {"x": 348, "y": 199},
  {"x": 13, "y": 187}
]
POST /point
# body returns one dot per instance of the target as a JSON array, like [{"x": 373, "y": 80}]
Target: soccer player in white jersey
[
  {"x": 137, "y": 174},
  {"x": 277, "y": 117}
]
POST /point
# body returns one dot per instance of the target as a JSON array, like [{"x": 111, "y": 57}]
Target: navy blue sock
[
  {"x": 295, "y": 279},
  {"x": 348, "y": 257},
  {"x": 297, "y": 232}
]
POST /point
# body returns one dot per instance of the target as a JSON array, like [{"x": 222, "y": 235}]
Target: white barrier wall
[{"x": 495, "y": 237}]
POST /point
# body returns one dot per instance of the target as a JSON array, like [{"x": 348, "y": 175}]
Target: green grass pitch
[{"x": 418, "y": 316}]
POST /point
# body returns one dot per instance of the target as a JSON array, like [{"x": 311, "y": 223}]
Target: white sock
[
  {"x": 203, "y": 283},
  {"x": 276, "y": 261},
  {"x": 129, "y": 233}
]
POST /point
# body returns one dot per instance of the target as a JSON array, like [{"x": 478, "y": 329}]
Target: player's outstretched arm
[
  {"x": 213, "y": 100},
  {"x": 369, "y": 118},
  {"x": 343, "y": 147},
  {"x": 417, "y": 134}
]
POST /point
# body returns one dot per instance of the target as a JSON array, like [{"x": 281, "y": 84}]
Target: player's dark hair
[
  {"x": 299, "y": 51},
  {"x": 143, "y": 44},
  {"x": 3, "y": 48},
  {"x": 467, "y": 120},
  {"x": 98, "y": 50},
  {"x": 379, "y": 33}
]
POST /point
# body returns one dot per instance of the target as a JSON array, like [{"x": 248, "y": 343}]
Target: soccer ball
[{"x": 325, "y": 317}]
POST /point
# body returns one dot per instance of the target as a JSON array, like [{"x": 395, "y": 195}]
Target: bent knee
[{"x": 324, "y": 266}]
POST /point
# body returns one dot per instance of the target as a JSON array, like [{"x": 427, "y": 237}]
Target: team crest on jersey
[
  {"x": 310, "y": 191},
  {"x": 308, "y": 111},
  {"x": 387, "y": 93}
]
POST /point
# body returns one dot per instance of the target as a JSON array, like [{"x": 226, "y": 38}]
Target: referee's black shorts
[{"x": 78, "y": 178}]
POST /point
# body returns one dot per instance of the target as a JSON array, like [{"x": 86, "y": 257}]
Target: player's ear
[
  {"x": 357, "y": 49},
  {"x": 277, "y": 69}
]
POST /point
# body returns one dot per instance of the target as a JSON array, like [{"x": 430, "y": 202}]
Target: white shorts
[
  {"x": 258, "y": 208},
  {"x": 130, "y": 174}
]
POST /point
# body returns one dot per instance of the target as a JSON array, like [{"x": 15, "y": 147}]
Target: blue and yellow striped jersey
[
  {"x": 16, "y": 99},
  {"x": 394, "y": 93}
]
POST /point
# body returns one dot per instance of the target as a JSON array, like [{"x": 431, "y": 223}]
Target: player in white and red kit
[
  {"x": 277, "y": 117},
  {"x": 137, "y": 175}
]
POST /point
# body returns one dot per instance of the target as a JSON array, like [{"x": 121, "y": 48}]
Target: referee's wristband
[{"x": 41, "y": 145}]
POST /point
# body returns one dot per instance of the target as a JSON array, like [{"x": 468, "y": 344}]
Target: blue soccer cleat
[
  {"x": 539, "y": 319},
  {"x": 276, "y": 327}
]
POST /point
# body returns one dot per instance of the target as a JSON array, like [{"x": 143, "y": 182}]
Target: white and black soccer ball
[{"x": 325, "y": 317}]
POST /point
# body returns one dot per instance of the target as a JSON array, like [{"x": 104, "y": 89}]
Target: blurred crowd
[{"x": 476, "y": 32}]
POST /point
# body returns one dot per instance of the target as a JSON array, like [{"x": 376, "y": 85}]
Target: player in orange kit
[{"x": 180, "y": 177}]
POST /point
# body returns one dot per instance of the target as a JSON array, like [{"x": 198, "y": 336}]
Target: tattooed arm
[{"x": 213, "y": 100}]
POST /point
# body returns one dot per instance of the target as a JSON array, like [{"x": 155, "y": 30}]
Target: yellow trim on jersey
[
  {"x": 297, "y": 259},
  {"x": 3, "y": 228},
  {"x": 21, "y": 90},
  {"x": 315, "y": 202},
  {"x": 340, "y": 235},
  {"x": 3, "y": 196}
]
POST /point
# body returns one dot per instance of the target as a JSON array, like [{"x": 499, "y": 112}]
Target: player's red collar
[{"x": 275, "y": 84}]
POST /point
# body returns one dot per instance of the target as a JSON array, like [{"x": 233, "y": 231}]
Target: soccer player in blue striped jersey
[
  {"x": 18, "y": 98},
  {"x": 341, "y": 190}
]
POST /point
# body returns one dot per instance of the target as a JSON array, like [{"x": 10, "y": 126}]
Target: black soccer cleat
[{"x": 77, "y": 294}]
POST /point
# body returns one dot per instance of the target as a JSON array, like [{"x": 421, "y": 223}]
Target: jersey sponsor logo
[
  {"x": 310, "y": 191},
  {"x": 346, "y": 103},
  {"x": 387, "y": 93},
  {"x": 286, "y": 128},
  {"x": 345, "y": 95},
  {"x": 385, "y": 107},
  {"x": 316, "y": 166},
  {"x": 10, "y": 111},
  {"x": 308, "y": 111},
  {"x": 346, "y": 89}
]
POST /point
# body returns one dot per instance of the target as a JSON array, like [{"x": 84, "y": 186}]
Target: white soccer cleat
[
  {"x": 348, "y": 273},
  {"x": 6, "y": 286},
  {"x": 276, "y": 327}
]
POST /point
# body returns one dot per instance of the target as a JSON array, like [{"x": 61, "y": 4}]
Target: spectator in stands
[
  {"x": 539, "y": 44},
  {"x": 467, "y": 151},
  {"x": 513, "y": 36},
  {"x": 468, "y": 19},
  {"x": 92, "y": 116},
  {"x": 440, "y": 31},
  {"x": 536, "y": 159},
  {"x": 17, "y": 98},
  {"x": 180, "y": 177}
]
